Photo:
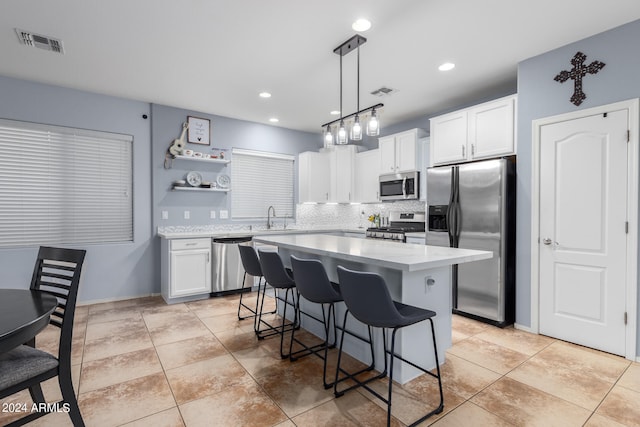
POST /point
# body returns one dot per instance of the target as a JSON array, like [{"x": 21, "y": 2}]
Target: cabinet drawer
[{"x": 182, "y": 244}]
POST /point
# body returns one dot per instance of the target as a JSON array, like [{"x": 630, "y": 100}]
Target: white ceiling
[{"x": 215, "y": 56}]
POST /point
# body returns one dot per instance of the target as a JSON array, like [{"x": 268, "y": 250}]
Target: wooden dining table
[{"x": 23, "y": 313}]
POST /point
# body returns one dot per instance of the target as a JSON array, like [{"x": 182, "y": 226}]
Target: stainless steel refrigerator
[{"x": 473, "y": 206}]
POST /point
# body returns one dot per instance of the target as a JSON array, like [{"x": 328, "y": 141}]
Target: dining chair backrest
[
  {"x": 57, "y": 272},
  {"x": 250, "y": 261},
  {"x": 312, "y": 281},
  {"x": 273, "y": 269},
  {"x": 367, "y": 298}
]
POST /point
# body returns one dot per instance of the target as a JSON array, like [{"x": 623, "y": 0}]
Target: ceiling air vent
[
  {"x": 384, "y": 91},
  {"x": 28, "y": 38}
]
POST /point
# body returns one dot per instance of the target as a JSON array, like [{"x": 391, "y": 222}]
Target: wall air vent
[
  {"x": 28, "y": 38},
  {"x": 384, "y": 91}
]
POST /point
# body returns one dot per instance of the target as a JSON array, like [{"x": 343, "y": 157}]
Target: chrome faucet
[{"x": 269, "y": 216}]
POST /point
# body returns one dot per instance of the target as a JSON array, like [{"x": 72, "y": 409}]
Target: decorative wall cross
[{"x": 577, "y": 73}]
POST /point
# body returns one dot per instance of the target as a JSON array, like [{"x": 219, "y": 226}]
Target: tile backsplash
[{"x": 349, "y": 216}]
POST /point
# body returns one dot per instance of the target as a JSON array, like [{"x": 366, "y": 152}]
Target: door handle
[{"x": 547, "y": 241}]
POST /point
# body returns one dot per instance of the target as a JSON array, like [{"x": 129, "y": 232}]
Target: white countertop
[
  {"x": 374, "y": 251},
  {"x": 196, "y": 233}
]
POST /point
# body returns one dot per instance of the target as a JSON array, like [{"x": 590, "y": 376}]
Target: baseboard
[
  {"x": 99, "y": 301},
  {"x": 524, "y": 328}
]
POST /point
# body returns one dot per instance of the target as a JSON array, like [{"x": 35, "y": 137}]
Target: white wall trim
[
  {"x": 633, "y": 106},
  {"x": 524, "y": 328}
]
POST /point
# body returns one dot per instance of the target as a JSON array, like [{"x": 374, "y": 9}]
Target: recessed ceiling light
[
  {"x": 335, "y": 113},
  {"x": 265, "y": 95},
  {"x": 447, "y": 66},
  {"x": 361, "y": 25},
  {"x": 274, "y": 120}
]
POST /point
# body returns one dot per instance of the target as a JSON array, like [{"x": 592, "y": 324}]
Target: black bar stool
[
  {"x": 251, "y": 265},
  {"x": 314, "y": 285},
  {"x": 279, "y": 278},
  {"x": 368, "y": 300}
]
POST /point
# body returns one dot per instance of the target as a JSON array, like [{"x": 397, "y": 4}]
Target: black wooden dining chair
[{"x": 57, "y": 272}]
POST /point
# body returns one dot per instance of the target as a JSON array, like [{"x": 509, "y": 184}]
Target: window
[
  {"x": 61, "y": 185},
  {"x": 259, "y": 180}
]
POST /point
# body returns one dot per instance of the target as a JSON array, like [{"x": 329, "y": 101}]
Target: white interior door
[{"x": 583, "y": 215}]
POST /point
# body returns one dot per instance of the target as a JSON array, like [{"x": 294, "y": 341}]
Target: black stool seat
[{"x": 367, "y": 298}]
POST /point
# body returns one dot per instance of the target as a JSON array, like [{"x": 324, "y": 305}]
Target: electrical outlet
[
  {"x": 165, "y": 214},
  {"x": 187, "y": 215},
  {"x": 212, "y": 214},
  {"x": 224, "y": 214}
]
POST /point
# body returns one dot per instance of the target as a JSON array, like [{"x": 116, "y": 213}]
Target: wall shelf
[
  {"x": 200, "y": 159},
  {"x": 215, "y": 190}
]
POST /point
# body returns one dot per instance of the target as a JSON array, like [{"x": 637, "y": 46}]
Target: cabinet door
[
  {"x": 190, "y": 272},
  {"x": 341, "y": 171},
  {"x": 387, "y": 146},
  {"x": 491, "y": 129},
  {"x": 313, "y": 177},
  {"x": 449, "y": 138},
  {"x": 366, "y": 176},
  {"x": 406, "y": 151}
]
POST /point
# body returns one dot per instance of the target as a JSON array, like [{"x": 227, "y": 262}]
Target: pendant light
[
  {"x": 373, "y": 126},
  {"x": 328, "y": 136}
]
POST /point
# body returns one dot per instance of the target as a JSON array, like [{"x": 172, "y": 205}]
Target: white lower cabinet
[{"x": 186, "y": 269}]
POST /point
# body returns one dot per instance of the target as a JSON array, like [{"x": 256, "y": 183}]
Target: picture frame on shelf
[{"x": 199, "y": 130}]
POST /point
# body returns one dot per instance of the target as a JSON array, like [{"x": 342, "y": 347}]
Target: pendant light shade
[
  {"x": 342, "y": 134},
  {"x": 355, "y": 130},
  {"x": 328, "y": 136},
  {"x": 373, "y": 126}
]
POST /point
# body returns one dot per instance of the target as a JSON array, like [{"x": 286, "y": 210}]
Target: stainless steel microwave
[{"x": 400, "y": 186}]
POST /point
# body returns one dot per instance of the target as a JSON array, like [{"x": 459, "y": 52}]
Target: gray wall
[
  {"x": 226, "y": 133},
  {"x": 540, "y": 96},
  {"x": 111, "y": 270}
]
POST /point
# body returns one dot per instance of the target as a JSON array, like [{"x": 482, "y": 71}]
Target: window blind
[
  {"x": 259, "y": 180},
  {"x": 64, "y": 185}
]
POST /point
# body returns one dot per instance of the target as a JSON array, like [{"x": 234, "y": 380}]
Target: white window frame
[
  {"x": 259, "y": 180},
  {"x": 61, "y": 185}
]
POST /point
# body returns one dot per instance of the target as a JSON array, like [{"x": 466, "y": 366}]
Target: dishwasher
[{"x": 227, "y": 271}]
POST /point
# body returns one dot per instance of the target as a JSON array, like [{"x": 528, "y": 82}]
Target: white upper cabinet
[
  {"x": 491, "y": 128},
  {"x": 341, "y": 165},
  {"x": 313, "y": 177},
  {"x": 367, "y": 173},
  {"x": 327, "y": 176},
  {"x": 399, "y": 152},
  {"x": 482, "y": 131},
  {"x": 449, "y": 138}
]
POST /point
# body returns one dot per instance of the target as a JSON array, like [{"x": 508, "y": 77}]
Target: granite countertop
[
  {"x": 384, "y": 253},
  {"x": 179, "y": 233}
]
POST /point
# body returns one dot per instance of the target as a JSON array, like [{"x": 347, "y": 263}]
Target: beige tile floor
[{"x": 141, "y": 362}]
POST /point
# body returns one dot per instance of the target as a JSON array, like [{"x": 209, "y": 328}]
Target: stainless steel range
[{"x": 399, "y": 224}]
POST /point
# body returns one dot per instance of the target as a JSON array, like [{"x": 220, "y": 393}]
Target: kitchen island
[{"x": 415, "y": 274}]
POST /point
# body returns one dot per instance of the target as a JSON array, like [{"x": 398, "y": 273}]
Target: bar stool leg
[{"x": 353, "y": 375}]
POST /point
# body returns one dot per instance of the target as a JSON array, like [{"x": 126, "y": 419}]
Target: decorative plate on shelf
[
  {"x": 223, "y": 181},
  {"x": 194, "y": 179}
]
